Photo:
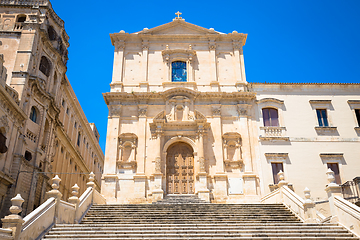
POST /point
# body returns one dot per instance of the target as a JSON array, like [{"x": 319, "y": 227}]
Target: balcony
[
  {"x": 350, "y": 191},
  {"x": 273, "y": 134}
]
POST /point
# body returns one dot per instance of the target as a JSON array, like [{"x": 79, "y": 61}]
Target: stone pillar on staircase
[
  {"x": 309, "y": 207},
  {"x": 332, "y": 190},
  {"x": 55, "y": 193},
  {"x": 75, "y": 200},
  {"x": 14, "y": 221}
]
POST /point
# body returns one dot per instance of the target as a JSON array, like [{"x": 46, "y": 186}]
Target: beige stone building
[
  {"x": 184, "y": 120},
  {"x": 43, "y": 128}
]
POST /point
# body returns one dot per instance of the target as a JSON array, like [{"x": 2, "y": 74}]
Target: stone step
[
  {"x": 181, "y": 213},
  {"x": 204, "y": 235},
  {"x": 245, "y": 225},
  {"x": 195, "y": 231},
  {"x": 194, "y": 221},
  {"x": 214, "y": 238}
]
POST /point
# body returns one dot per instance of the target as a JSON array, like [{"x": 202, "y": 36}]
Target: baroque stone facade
[
  {"x": 184, "y": 120},
  {"x": 43, "y": 128}
]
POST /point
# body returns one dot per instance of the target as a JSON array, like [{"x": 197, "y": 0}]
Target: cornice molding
[{"x": 142, "y": 96}]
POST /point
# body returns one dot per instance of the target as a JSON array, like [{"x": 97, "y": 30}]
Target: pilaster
[{"x": 118, "y": 62}]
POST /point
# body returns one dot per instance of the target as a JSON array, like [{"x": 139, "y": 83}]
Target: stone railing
[
  {"x": 304, "y": 209},
  {"x": 268, "y": 133},
  {"x": 342, "y": 211},
  {"x": 54, "y": 210},
  {"x": 18, "y": 26}
]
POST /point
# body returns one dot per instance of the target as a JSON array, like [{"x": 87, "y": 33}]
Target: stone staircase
[{"x": 169, "y": 219}]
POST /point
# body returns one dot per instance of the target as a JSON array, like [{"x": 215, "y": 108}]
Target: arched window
[
  {"x": 34, "y": 114},
  {"x": 178, "y": 72},
  {"x": 21, "y": 18},
  {"x": 270, "y": 117},
  {"x": 52, "y": 33},
  {"x": 45, "y": 66}
]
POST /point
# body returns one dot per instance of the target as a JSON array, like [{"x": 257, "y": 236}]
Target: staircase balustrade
[
  {"x": 52, "y": 211},
  {"x": 343, "y": 212}
]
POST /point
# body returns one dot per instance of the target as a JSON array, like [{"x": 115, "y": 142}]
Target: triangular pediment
[{"x": 178, "y": 27}]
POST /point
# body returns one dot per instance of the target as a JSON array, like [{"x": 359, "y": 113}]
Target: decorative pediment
[{"x": 178, "y": 27}]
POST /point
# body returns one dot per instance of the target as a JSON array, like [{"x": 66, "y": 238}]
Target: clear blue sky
[{"x": 288, "y": 41}]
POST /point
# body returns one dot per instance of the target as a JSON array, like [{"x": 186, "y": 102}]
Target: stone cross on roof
[{"x": 178, "y": 15}]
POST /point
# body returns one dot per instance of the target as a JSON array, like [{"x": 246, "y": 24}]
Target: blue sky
[{"x": 288, "y": 41}]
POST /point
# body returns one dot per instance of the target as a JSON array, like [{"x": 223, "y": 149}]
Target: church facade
[{"x": 184, "y": 120}]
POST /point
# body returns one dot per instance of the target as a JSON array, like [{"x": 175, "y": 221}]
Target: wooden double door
[{"x": 180, "y": 169}]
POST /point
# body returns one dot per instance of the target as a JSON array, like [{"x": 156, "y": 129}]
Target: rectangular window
[
  {"x": 270, "y": 116},
  {"x": 322, "y": 117},
  {"x": 357, "y": 113},
  {"x": 276, "y": 167},
  {"x": 79, "y": 138},
  {"x": 335, "y": 168}
]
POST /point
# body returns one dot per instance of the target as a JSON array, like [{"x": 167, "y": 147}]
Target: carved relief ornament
[{"x": 178, "y": 54}]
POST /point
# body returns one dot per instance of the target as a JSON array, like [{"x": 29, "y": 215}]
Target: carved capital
[
  {"x": 114, "y": 111},
  {"x": 145, "y": 44},
  {"x": 142, "y": 111},
  {"x": 237, "y": 44},
  {"x": 216, "y": 111},
  {"x": 120, "y": 45}
]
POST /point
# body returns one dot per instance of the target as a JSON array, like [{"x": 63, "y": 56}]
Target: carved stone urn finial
[
  {"x": 16, "y": 202},
  {"x": 91, "y": 183},
  {"x": 330, "y": 177}
]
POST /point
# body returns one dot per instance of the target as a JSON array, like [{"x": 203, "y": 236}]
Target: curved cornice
[{"x": 274, "y": 100}]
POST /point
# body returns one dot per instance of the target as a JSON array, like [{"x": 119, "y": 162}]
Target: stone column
[
  {"x": 332, "y": 190},
  {"x": 118, "y": 61},
  {"x": 237, "y": 48},
  {"x": 212, "y": 49},
  {"x": 140, "y": 178},
  {"x": 141, "y": 153},
  {"x": 109, "y": 178},
  {"x": 158, "y": 192},
  {"x": 144, "y": 65},
  {"x": 14, "y": 221},
  {"x": 202, "y": 190},
  {"x": 113, "y": 130}
]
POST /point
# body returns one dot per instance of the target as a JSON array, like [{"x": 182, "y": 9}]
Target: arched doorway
[{"x": 180, "y": 169}]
